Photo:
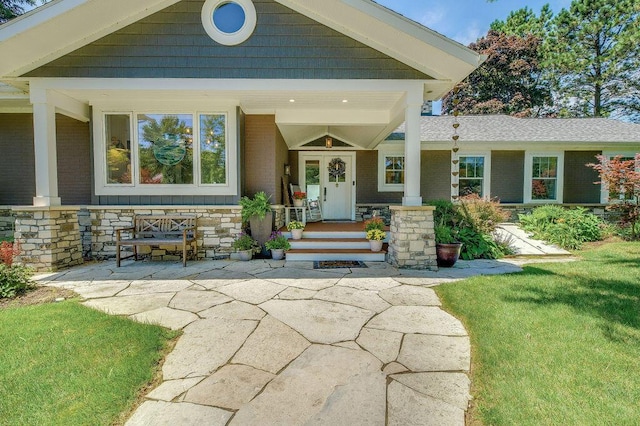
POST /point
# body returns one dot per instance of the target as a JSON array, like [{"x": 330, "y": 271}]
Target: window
[
  {"x": 170, "y": 154},
  {"x": 229, "y": 22},
  {"x": 471, "y": 176},
  {"x": 544, "y": 173},
  {"x": 608, "y": 195},
  {"x": 391, "y": 169},
  {"x": 118, "y": 135}
]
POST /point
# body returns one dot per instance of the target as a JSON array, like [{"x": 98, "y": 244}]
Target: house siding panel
[
  {"x": 367, "y": 181},
  {"x": 507, "y": 176},
  {"x": 435, "y": 178},
  {"x": 17, "y": 162},
  {"x": 579, "y": 179},
  {"x": 173, "y": 44},
  {"x": 260, "y": 155},
  {"x": 282, "y": 158},
  {"x": 74, "y": 161}
]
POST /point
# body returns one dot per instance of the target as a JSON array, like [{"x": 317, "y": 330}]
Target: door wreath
[{"x": 337, "y": 169}]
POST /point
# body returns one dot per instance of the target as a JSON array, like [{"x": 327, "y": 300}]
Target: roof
[
  {"x": 62, "y": 26},
  {"x": 504, "y": 128}
]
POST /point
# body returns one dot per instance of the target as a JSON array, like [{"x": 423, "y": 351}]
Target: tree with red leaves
[
  {"x": 508, "y": 82},
  {"x": 621, "y": 176}
]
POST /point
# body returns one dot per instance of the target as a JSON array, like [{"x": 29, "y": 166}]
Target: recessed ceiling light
[
  {"x": 292, "y": 100},
  {"x": 344, "y": 101}
]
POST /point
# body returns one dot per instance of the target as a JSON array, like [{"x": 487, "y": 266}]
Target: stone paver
[{"x": 282, "y": 343}]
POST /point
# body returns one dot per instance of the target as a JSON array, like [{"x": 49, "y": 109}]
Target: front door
[{"x": 330, "y": 179}]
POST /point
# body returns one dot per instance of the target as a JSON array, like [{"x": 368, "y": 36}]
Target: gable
[{"x": 173, "y": 44}]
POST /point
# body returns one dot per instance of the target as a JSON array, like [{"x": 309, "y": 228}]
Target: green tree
[
  {"x": 508, "y": 82},
  {"x": 593, "y": 55}
]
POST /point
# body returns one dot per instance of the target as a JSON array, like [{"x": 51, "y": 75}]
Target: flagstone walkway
[{"x": 280, "y": 343}]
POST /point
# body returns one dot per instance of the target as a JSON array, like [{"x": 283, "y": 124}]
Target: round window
[{"x": 229, "y": 22}]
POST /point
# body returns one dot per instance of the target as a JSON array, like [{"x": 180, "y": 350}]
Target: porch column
[
  {"x": 412, "y": 153},
  {"x": 46, "y": 161}
]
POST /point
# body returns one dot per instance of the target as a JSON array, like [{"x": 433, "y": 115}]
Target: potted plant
[
  {"x": 447, "y": 246},
  {"x": 374, "y": 223},
  {"x": 257, "y": 212},
  {"x": 298, "y": 198},
  {"x": 376, "y": 237},
  {"x": 296, "y": 228},
  {"x": 278, "y": 244},
  {"x": 245, "y": 245}
]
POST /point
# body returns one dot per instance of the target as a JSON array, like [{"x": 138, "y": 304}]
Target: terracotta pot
[
  {"x": 448, "y": 254},
  {"x": 376, "y": 245},
  {"x": 277, "y": 254},
  {"x": 296, "y": 234},
  {"x": 245, "y": 254}
]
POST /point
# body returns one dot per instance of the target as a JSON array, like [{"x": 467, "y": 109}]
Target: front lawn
[
  {"x": 65, "y": 364},
  {"x": 556, "y": 344}
]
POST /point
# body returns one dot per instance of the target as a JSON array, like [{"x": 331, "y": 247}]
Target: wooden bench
[{"x": 150, "y": 230}]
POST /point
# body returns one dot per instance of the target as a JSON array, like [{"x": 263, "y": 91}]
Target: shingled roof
[{"x": 504, "y": 128}]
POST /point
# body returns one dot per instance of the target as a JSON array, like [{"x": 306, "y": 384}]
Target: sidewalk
[{"x": 280, "y": 343}]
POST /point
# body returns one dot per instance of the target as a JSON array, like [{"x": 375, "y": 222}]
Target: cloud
[
  {"x": 435, "y": 19},
  {"x": 470, "y": 34}
]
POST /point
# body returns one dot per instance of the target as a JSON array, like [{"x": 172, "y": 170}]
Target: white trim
[
  {"x": 486, "y": 178},
  {"x": 229, "y": 39},
  {"x": 604, "y": 190},
  {"x": 528, "y": 176},
  {"x": 197, "y": 188},
  {"x": 388, "y": 151}
]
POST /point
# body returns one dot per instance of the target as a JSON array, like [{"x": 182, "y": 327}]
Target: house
[{"x": 112, "y": 109}]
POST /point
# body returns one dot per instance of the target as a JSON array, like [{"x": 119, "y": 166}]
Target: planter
[
  {"x": 261, "y": 228},
  {"x": 448, "y": 254},
  {"x": 296, "y": 234},
  {"x": 245, "y": 254},
  {"x": 376, "y": 245},
  {"x": 298, "y": 203},
  {"x": 277, "y": 254}
]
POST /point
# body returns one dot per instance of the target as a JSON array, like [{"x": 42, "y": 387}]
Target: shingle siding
[
  {"x": 173, "y": 44},
  {"x": 435, "y": 179},
  {"x": 367, "y": 181},
  {"x": 507, "y": 176},
  {"x": 74, "y": 161},
  {"x": 579, "y": 179},
  {"x": 17, "y": 162}
]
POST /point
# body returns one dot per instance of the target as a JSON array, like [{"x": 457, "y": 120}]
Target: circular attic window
[{"x": 229, "y": 22}]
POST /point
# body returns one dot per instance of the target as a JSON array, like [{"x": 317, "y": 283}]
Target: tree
[
  {"x": 9, "y": 9},
  {"x": 593, "y": 54},
  {"x": 621, "y": 176},
  {"x": 508, "y": 82}
]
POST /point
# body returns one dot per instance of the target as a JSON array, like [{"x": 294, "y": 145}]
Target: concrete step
[
  {"x": 365, "y": 255},
  {"x": 327, "y": 234}
]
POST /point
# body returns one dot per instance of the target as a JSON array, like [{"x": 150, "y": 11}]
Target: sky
[{"x": 465, "y": 20}]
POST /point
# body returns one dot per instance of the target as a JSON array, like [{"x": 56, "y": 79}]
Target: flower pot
[
  {"x": 261, "y": 229},
  {"x": 296, "y": 234},
  {"x": 376, "y": 245},
  {"x": 245, "y": 254},
  {"x": 448, "y": 254},
  {"x": 298, "y": 203},
  {"x": 277, "y": 254}
]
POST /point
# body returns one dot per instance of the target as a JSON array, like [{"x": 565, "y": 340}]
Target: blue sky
[{"x": 464, "y": 20}]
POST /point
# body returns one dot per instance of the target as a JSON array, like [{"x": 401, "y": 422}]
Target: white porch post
[
  {"x": 46, "y": 161},
  {"x": 412, "y": 151}
]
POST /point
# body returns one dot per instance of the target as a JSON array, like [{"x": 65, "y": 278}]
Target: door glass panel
[
  {"x": 312, "y": 179},
  {"x": 117, "y": 127}
]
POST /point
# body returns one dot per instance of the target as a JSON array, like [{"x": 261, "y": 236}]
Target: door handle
[{"x": 325, "y": 194}]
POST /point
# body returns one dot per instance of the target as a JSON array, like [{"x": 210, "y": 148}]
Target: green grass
[
  {"x": 556, "y": 344},
  {"x": 65, "y": 364}
]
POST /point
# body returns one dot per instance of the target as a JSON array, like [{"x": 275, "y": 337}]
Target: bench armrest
[{"x": 119, "y": 230}]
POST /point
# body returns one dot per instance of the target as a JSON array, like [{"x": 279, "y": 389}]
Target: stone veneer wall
[
  {"x": 49, "y": 237},
  {"x": 217, "y": 228},
  {"x": 278, "y": 216},
  {"x": 412, "y": 243},
  {"x": 367, "y": 211},
  {"x": 7, "y": 221}
]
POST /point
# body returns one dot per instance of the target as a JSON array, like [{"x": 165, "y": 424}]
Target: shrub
[
  {"x": 14, "y": 280},
  {"x": 568, "y": 228},
  {"x": 8, "y": 250},
  {"x": 258, "y": 206},
  {"x": 483, "y": 215}
]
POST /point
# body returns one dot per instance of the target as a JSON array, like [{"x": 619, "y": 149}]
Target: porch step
[
  {"x": 365, "y": 255},
  {"x": 330, "y": 243},
  {"x": 329, "y": 234}
]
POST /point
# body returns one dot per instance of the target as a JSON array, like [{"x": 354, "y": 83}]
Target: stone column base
[
  {"x": 49, "y": 237},
  {"x": 412, "y": 243}
]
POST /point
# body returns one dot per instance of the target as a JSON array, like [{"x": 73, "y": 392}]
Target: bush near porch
[{"x": 557, "y": 343}]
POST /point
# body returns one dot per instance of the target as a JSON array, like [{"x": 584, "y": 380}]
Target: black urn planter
[{"x": 448, "y": 254}]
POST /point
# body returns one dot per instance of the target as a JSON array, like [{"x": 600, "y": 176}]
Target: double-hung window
[
  {"x": 472, "y": 175},
  {"x": 544, "y": 177},
  {"x": 391, "y": 170},
  {"x": 611, "y": 194}
]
